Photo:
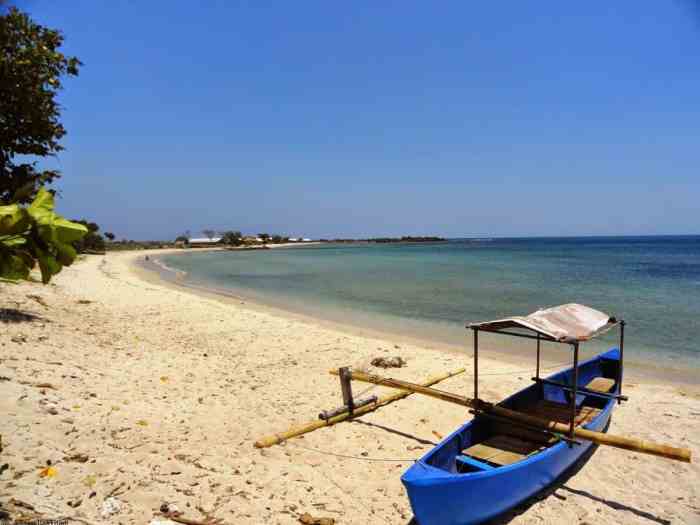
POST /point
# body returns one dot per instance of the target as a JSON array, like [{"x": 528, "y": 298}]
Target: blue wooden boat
[
  {"x": 490, "y": 464},
  {"x": 449, "y": 486}
]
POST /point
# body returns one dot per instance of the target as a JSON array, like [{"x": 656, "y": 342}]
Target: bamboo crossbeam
[
  {"x": 636, "y": 445},
  {"x": 275, "y": 439}
]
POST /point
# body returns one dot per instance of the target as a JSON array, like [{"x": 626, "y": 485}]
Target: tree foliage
[
  {"x": 36, "y": 233},
  {"x": 233, "y": 238},
  {"x": 93, "y": 241},
  {"x": 31, "y": 69}
]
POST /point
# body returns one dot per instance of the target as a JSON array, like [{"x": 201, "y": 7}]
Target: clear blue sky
[{"x": 382, "y": 118}]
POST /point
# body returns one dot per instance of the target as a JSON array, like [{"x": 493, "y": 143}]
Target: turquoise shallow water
[{"x": 430, "y": 290}]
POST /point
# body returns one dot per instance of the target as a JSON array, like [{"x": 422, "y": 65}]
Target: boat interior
[{"x": 489, "y": 442}]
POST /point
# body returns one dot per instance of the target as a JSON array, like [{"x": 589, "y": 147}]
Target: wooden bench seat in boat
[
  {"x": 561, "y": 413},
  {"x": 601, "y": 384},
  {"x": 513, "y": 443},
  {"x": 508, "y": 428},
  {"x": 503, "y": 450},
  {"x": 597, "y": 384}
]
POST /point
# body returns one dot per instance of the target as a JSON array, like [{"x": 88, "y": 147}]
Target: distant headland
[
  {"x": 94, "y": 242},
  {"x": 404, "y": 239}
]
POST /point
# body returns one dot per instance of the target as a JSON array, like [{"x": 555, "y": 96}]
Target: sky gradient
[{"x": 327, "y": 120}]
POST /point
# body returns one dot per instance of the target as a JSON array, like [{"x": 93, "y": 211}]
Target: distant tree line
[
  {"x": 405, "y": 239},
  {"x": 93, "y": 242},
  {"x": 234, "y": 237}
]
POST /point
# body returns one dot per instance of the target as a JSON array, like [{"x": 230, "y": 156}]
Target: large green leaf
[
  {"x": 13, "y": 219},
  {"x": 48, "y": 265},
  {"x": 13, "y": 267},
  {"x": 53, "y": 228},
  {"x": 42, "y": 207},
  {"x": 36, "y": 232},
  {"x": 12, "y": 240},
  {"x": 66, "y": 253},
  {"x": 68, "y": 231}
]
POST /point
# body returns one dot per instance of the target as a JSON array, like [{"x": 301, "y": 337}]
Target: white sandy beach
[{"x": 142, "y": 394}]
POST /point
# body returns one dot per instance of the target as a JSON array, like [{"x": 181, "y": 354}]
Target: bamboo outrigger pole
[
  {"x": 637, "y": 445},
  {"x": 275, "y": 439}
]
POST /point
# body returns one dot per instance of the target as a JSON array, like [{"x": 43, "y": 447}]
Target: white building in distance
[{"x": 204, "y": 241}]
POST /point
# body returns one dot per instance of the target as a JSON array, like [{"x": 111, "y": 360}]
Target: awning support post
[
  {"x": 476, "y": 364},
  {"x": 537, "y": 372},
  {"x": 574, "y": 394},
  {"x": 622, "y": 352}
]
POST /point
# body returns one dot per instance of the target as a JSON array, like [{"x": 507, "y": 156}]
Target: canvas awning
[{"x": 567, "y": 323}]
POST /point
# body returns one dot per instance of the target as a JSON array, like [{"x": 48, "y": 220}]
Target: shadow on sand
[
  {"x": 397, "y": 432},
  {"x": 13, "y": 315}
]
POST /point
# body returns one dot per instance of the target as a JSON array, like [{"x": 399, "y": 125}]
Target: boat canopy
[{"x": 567, "y": 323}]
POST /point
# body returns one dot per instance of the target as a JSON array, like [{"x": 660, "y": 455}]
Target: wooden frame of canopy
[{"x": 562, "y": 328}]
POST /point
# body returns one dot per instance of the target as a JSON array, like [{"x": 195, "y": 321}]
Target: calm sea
[{"x": 430, "y": 290}]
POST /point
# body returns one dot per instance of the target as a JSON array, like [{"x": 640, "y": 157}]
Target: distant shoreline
[
  {"x": 121, "y": 246},
  {"x": 386, "y": 240}
]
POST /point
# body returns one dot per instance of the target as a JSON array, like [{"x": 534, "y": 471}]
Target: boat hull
[{"x": 440, "y": 495}]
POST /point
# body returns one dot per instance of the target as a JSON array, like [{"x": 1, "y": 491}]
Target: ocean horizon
[{"x": 430, "y": 290}]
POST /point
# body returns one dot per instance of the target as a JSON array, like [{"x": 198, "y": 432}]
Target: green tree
[
  {"x": 209, "y": 234},
  {"x": 264, "y": 236},
  {"x": 31, "y": 72},
  {"x": 233, "y": 238},
  {"x": 31, "y": 68},
  {"x": 110, "y": 236},
  {"x": 92, "y": 242}
]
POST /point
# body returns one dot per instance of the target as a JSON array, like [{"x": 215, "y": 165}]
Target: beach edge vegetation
[{"x": 31, "y": 66}]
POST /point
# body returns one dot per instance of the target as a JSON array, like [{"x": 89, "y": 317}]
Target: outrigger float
[{"x": 511, "y": 450}]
